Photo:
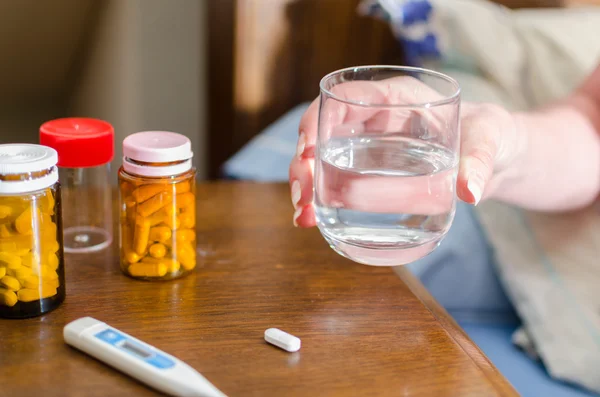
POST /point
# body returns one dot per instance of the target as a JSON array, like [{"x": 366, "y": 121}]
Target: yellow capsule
[
  {"x": 184, "y": 199},
  {"x": 5, "y": 211},
  {"x": 7, "y": 297},
  {"x": 173, "y": 265},
  {"x": 157, "y": 250},
  {"x": 126, "y": 240},
  {"x": 187, "y": 256},
  {"x": 2, "y": 271},
  {"x": 145, "y": 192},
  {"x": 10, "y": 283},
  {"x": 186, "y": 220},
  {"x": 29, "y": 260},
  {"x": 22, "y": 252},
  {"x": 11, "y": 261},
  {"x": 49, "y": 202},
  {"x": 154, "y": 204},
  {"x": 30, "y": 295},
  {"x": 126, "y": 188},
  {"x": 146, "y": 269},
  {"x": 51, "y": 246},
  {"x": 52, "y": 261},
  {"x": 182, "y": 187},
  {"x": 34, "y": 282},
  {"x": 45, "y": 273},
  {"x": 160, "y": 233},
  {"x": 10, "y": 246},
  {"x": 185, "y": 235},
  {"x": 141, "y": 236},
  {"x": 6, "y": 230},
  {"x": 161, "y": 217},
  {"x": 21, "y": 273},
  {"x": 25, "y": 222}
]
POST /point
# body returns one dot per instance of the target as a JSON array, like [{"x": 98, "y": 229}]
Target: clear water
[{"x": 384, "y": 200}]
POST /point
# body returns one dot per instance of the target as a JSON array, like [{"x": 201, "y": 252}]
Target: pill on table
[{"x": 282, "y": 339}]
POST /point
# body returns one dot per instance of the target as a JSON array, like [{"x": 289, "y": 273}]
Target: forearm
[{"x": 559, "y": 167}]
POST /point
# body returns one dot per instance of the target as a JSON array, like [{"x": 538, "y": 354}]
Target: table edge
[{"x": 490, "y": 372}]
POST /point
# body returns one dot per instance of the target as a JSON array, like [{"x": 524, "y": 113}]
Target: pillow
[{"x": 527, "y": 54}]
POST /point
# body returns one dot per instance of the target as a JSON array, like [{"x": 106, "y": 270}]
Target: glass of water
[{"x": 386, "y": 162}]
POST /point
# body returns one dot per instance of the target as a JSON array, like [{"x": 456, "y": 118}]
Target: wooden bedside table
[{"x": 365, "y": 331}]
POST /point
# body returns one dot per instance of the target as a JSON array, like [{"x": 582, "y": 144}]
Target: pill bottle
[
  {"x": 85, "y": 149},
  {"x": 32, "y": 278},
  {"x": 157, "y": 206}
]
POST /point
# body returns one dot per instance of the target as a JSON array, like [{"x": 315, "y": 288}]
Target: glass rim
[{"x": 443, "y": 101}]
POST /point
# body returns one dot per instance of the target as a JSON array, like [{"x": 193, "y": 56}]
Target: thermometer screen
[{"x": 135, "y": 350}]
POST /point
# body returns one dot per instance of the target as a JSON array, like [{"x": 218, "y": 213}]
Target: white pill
[{"x": 282, "y": 339}]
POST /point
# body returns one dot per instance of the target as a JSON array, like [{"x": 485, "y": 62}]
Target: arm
[{"x": 558, "y": 165}]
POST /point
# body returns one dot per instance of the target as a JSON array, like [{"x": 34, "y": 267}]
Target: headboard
[{"x": 266, "y": 56}]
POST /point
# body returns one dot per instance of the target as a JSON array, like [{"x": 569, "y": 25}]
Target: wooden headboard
[{"x": 266, "y": 56}]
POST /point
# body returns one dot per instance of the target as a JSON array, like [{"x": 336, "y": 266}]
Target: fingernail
[
  {"x": 296, "y": 193},
  {"x": 297, "y": 215},
  {"x": 475, "y": 185},
  {"x": 301, "y": 144}
]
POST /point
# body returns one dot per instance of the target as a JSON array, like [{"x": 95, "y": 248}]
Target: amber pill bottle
[
  {"x": 32, "y": 280},
  {"x": 157, "y": 206}
]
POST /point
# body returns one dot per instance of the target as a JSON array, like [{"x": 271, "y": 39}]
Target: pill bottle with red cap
[
  {"x": 85, "y": 149},
  {"x": 157, "y": 206}
]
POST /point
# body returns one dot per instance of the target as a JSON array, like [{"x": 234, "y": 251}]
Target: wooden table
[{"x": 365, "y": 331}]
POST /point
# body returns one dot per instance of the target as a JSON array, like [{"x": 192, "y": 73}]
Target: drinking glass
[{"x": 386, "y": 161}]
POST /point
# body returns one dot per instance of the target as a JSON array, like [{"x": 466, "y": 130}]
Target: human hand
[{"x": 489, "y": 144}]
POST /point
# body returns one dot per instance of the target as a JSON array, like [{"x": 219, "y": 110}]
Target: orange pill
[
  {"x": 145, "y": 269},
  {"x": 186, "y": 220},
  {"x": 141, "y": 236},
  {"x": 182, "y": 187},
  {"x": 185, "y": 235},
  {"x": 154, "y": 204},
  {"x": 184, "y": 199},
  {"x": 145, "y": 192},
  {"x": 157, "y": 250},
  {"x": 160, "y": 233}
]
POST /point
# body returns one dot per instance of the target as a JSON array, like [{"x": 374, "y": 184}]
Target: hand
[{"x": 489, "y": 144}]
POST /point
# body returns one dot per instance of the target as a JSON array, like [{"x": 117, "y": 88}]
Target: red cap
[{"x": 79, "y": 141}]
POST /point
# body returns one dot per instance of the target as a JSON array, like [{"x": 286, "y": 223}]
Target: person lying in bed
[{"x": 543, "y": 160}]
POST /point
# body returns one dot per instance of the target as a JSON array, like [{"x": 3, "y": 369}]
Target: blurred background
[{"x": 218, "y": 71}]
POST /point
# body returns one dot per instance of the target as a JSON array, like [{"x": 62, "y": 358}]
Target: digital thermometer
[{"x": 137, "y": 359}]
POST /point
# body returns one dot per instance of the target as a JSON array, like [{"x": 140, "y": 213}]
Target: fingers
[
  {"x": 308, "y": 131},
  {"x": 486, "y": 130},
  {"x": 301, "y": 181}
]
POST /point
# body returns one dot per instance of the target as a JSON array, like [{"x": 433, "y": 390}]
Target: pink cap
[{"x": 157, "y": 147}]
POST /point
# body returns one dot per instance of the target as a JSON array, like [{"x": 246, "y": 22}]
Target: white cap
[
  {"x": 20, "y": 158},
  {"x": 157, "y": 147}
]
